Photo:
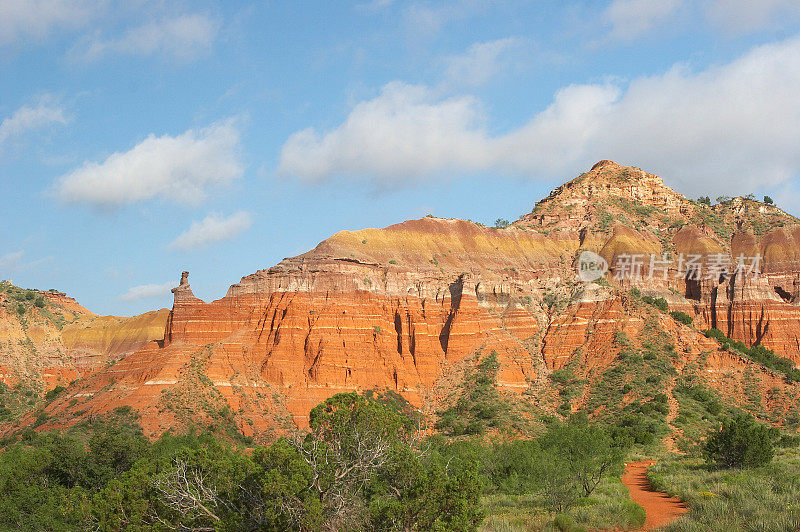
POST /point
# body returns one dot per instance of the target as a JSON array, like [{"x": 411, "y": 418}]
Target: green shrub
[
  {"x": 52, "y": 394},
  {"x": 759, "y": 353},
  {"x": 562, "y": 376},
  {"x": 660, "y": 303},
  {"x": 564, "y": 523},
  {"x": 634, "y": 514},
  {"x": 355, "y": 469},
  {"x": 741, "y": 442},
  {"x": 634, "y": 429},
  {"x": 41, "y": 418},
  {"x": 681, "y": 317},
  {"x": 480, "y": 405},
  {"x": 620, "y": 338}
]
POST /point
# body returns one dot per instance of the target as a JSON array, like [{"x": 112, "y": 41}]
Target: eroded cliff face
[
  {"x": 621, "y": 211},
  {"x": 48, "y": 339},
  {"x": 401, "y": 308}
]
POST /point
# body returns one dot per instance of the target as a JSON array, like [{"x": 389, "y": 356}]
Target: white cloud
[
  {"x": 183, "y": 37},
  {"x": 179, "y": 168},
  {"x": 28, "y": 118},
  {"x": 736, "y": 125},
  {"x": 405, "y": 131},
  {"x": 36, "y": 19},
  {"x": 745, "y": 16},
  {"x": 213, "y": 228},
  {"x": 481, "y": 62},
  {"x": 147, "y": 291},
  {"x": 630, "y": 19}
]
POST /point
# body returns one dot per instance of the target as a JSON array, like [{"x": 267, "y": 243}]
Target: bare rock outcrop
[{"x": 398, "y": 308}]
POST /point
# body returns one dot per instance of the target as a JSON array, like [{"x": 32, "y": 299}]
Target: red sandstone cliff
[{"x": 402, "y": 307}]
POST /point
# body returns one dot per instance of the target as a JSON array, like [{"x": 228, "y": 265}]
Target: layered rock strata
[{"x": 399, "y": 308}]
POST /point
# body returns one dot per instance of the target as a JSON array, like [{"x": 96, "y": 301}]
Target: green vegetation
[
  {"x": 768, "y": 200},
  {"x": 358, "y": 467},
  {"x": 605, "y": 219},
  {"x": 570, "y": 473},
  {"x": 741, "y": 442},
  {"x": 480, "y": 406},
  {"x": 681, "y": 317},
  {"x": 722, "y": 499},
  {"x": 30, "y": 304},
  {"x": 660, "y": 303},
  {"x": 501, "y": 223},
  {"x": 19, "y": 399},
  {"x": 629, "y": 395},
  {"x": 710, "y": 218},
  {"x": 737, "y": 474},
  {"x": 50, "y": 396},
  {"x": 759, "y": 353},
  {"x": 631, "y": 207}
]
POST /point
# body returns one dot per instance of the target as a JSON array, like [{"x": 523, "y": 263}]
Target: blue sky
[{"x": 141, "y": 138}]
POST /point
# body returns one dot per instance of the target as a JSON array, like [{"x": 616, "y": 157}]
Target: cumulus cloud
[
  {"x": 736, "y": 124},
  {"x": 28, "y": 118},
  {"x": 146, "y": 291},
  {"x": 481, "y": 62},
  {"x": 20, "y": 19},
  {"x": 213, "y": 228},
  {"x": 183, "y": 37},
  {"x": 405, "y": 131},
  {"x": 181, "y": 168},
  {"x": 745, "y": 16}
]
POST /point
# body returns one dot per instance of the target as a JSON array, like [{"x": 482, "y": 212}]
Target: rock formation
[
  {"x": 55, "y": 340},
  {"x": 402, "y": 308}
]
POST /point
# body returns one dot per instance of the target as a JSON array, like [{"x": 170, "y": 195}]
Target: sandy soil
[{"x": 661, "y": 509}]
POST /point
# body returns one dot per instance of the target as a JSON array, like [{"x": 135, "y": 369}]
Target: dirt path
[
  {"x": 671, "y": 440},
  {"x": 661, "y": 509}
]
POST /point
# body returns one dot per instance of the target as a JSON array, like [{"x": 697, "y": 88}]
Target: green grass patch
[{"x": 760, "y": 499}]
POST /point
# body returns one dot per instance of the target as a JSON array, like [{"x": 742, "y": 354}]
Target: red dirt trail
[{"x": 661, "y": 509}]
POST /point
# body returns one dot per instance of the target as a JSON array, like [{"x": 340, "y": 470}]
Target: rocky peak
[
  {"x": 607, "y": 185},
  {"x": 183, "y": 292}
]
